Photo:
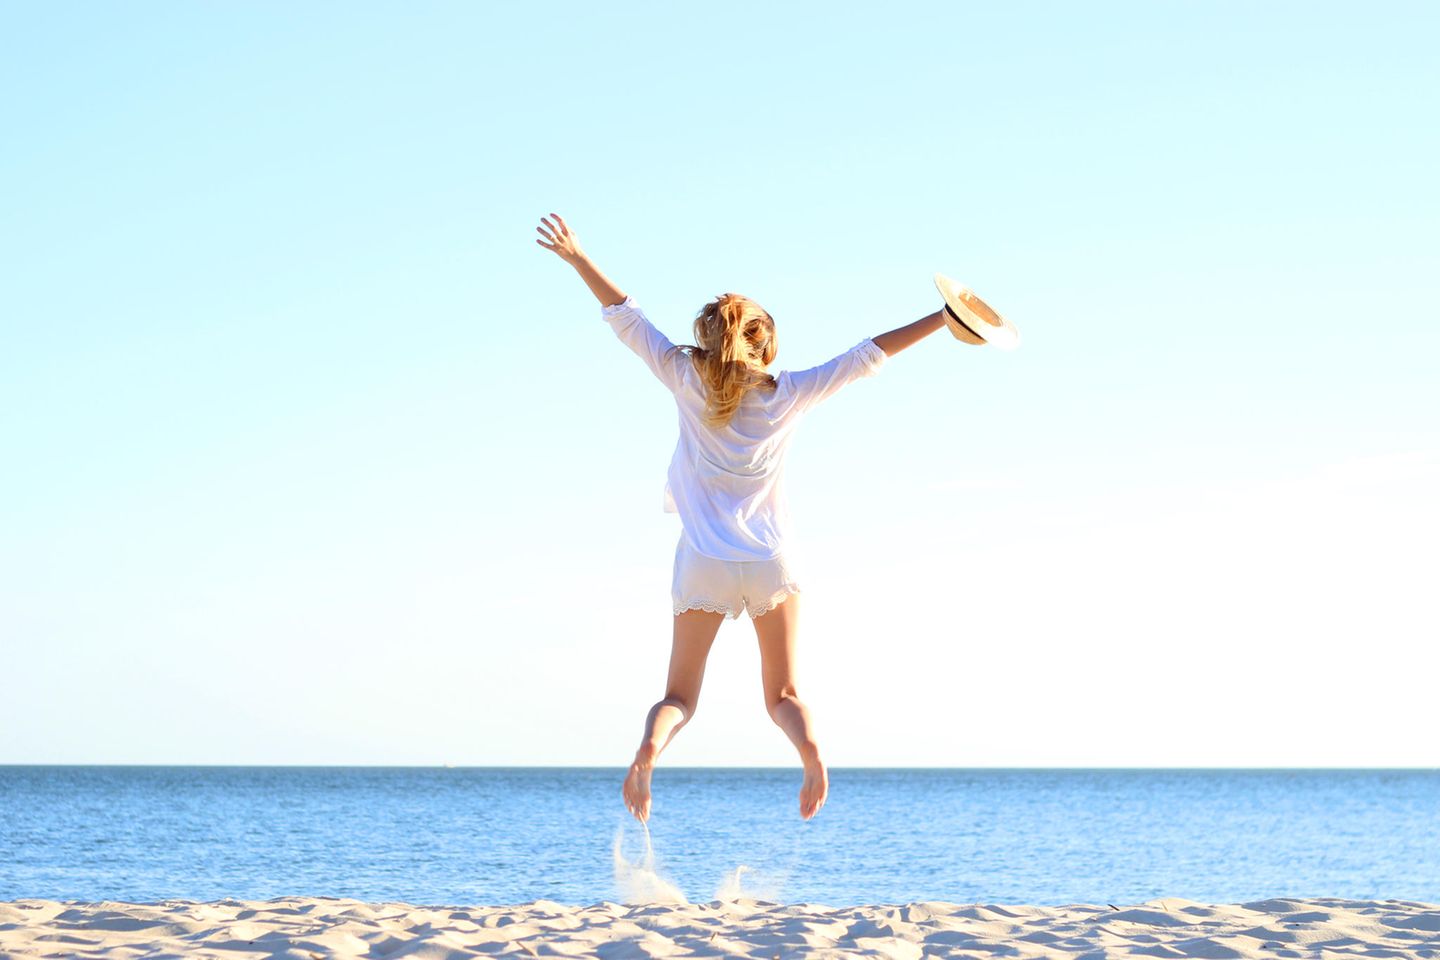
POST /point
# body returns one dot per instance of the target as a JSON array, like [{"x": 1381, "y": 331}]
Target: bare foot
[
  {"x": 815, "y": 788},
  {"x": 637, "y": 785}
]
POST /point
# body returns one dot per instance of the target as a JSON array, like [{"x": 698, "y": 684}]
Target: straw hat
[{"x": 972, "y": 319}]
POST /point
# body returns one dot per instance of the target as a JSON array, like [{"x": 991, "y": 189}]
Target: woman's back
[{"x": 727, "y": 482}]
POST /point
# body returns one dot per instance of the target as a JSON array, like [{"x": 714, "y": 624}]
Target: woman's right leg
[{"x": 776, "y": 630}]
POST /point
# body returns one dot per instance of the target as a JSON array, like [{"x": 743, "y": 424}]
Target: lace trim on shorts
[
  {"x": 775, "y": 600},
  {"x": 710, "y": 606}
]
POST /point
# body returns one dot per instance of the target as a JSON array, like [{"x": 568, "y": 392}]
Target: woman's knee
[
  {"x": 775, "y": 699},
  {"x": 685, "y": 703}
]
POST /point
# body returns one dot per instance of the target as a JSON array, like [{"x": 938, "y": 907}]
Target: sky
[{"x": 313, "y": 456}]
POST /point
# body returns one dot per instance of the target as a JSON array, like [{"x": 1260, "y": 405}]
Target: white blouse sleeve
[
  {"x": 635, "y": 330},
  {"x": 815, "y": 384}
]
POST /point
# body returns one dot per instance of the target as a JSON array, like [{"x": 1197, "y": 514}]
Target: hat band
[{"x": 962, "y": 323}]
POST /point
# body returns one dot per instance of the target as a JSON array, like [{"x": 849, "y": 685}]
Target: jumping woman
[{"x": 726, "y": 483}]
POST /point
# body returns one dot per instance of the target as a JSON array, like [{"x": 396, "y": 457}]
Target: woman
[{"x": 726, "y": 483}]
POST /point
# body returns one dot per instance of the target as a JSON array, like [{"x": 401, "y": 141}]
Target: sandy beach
[{"x": 307, "y": 928}]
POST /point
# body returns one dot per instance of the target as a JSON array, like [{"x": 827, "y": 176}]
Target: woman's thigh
[
  {"x": 694, "y": 633},
  {"x": 776, "y": 631}
]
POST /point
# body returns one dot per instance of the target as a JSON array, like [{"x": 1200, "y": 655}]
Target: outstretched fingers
[{"x": 557, "y": 236}]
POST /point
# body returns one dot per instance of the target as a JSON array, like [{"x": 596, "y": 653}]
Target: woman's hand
[
  {"x": 567, "y": 248},
  {"x": 562, "y": 241}
]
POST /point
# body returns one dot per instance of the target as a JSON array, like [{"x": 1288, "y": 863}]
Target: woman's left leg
[{"x": 694, "y": 633}]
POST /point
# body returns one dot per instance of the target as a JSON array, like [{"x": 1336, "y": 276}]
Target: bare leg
[
  {"x": 694, "y": 633},
  {"x": 776, "y": 630}
]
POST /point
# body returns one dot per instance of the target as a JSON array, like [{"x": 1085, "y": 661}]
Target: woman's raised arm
[
  {"x": 901, "y": 337},
  {"x": 567, "y": 248}
]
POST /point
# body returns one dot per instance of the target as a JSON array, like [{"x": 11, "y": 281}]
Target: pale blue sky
[{"x": 313, "y": 456}]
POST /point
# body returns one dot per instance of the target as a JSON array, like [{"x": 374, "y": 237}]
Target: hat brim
[{"x": 971, "y": 319}]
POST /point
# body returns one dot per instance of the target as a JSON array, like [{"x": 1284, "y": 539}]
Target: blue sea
[{"x": 511, "y": 835}]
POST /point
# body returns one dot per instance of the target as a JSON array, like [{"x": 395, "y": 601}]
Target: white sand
[{"x": 306, "y": 928}]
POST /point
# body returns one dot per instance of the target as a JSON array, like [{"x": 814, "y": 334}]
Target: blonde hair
[{"x": 734, "y": 343}]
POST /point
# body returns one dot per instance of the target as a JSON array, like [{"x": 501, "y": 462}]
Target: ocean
[{"x": 512, "y": 835}]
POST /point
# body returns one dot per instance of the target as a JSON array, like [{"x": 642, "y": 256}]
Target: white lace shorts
[{"x": 728, "y": 586}]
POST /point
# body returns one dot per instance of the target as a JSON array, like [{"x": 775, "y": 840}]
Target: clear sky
[{"x": 311, "y": 455}]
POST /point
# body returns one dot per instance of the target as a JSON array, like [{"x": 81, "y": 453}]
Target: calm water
[{"x": 493, "y": 836}]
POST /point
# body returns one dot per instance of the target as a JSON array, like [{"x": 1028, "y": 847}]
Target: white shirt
[{"x": 727, "y": 483}]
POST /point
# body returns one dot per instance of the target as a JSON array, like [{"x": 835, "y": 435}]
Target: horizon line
[{"x": 572, "y": 766}]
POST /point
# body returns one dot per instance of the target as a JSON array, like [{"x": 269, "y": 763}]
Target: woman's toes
[{"x": 813, "y": 790}]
